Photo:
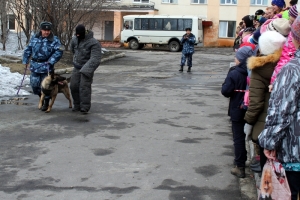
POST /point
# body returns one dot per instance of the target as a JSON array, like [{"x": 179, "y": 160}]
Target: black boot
[
  {"x": 189, "y": 69},
  {"x": 45, "y": 105},
  {"x": 181, "y": 69}
]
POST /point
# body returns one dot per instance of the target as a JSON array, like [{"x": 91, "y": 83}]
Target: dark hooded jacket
[
  {"x": 232, "y": 87},
  {"x": 87, "y": 54}
]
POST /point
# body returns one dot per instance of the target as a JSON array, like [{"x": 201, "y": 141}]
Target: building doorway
[{"x": 109, "y": 30}]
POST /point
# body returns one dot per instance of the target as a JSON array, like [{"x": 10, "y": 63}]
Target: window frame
[
  {"x": 225, "y": 3},
  {"x": 141, "y": 1},
  {"x": 9, "y": 20},
  {"x": 227, "y": 26},
  {"x": 170, "y": 2},
  {"x": 205, "y": 2},
  {"x": 262, "y": 3}
]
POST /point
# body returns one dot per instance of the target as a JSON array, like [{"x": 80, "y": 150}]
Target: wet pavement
[{"x": 152, "y": 133}]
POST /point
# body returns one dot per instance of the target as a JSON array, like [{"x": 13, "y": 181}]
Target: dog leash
[
  {"x": 48, "y": 68},
  {"x": 22, "y": 80}
]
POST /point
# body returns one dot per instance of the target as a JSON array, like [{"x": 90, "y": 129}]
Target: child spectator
[
  {"x": 270, "y": 46},
  {"x": 234, "y": 87},
  {"x": 288, "y": 48},
  {"x": 280, "y": 137}
]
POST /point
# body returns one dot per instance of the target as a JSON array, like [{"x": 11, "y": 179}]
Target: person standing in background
[{"x": 188, "y": 40}]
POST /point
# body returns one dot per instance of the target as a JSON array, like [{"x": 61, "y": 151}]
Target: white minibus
[{"x": 159, "y": 30}]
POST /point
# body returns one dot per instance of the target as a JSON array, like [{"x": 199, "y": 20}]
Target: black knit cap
[
  {"x": 259, "y": 12},
  {"x": 248, "y": 19},
  {"x": 188, "y": 29},
  {"x": 46, "y": 26},
  {"x": 80, "y": 30}
]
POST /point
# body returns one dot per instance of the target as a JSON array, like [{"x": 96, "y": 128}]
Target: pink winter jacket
[{"x": 288, "y": 51}]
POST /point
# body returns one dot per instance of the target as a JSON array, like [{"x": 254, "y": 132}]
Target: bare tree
[
  {"x": 22, "y": 9},
  {"x": 3, "y": 22},
  {"x": 63, "y": 14}
]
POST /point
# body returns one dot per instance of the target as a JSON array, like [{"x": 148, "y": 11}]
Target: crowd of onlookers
[{"x": 264, "y": 91}]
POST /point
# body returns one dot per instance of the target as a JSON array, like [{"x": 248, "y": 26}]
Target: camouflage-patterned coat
[
  {"x": 44, "y": 53},
  {"x": 188, "y": 44},
  {"x": 282, "y": 128}
]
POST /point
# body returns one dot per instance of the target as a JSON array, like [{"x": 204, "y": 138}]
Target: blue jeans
[
  {"x": 189, "y": 59},
  {"x": 240, "y": 152}
]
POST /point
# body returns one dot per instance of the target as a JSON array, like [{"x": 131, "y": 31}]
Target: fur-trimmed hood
[{"x": 256, "y": 62}]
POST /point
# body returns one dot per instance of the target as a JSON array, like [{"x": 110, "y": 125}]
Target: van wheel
[
  {"x": 174, "y": 46},
  {"x": 133, "y": 44}
]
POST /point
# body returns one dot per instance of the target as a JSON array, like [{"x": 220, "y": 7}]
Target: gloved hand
[{"x": 248, "y": 130}]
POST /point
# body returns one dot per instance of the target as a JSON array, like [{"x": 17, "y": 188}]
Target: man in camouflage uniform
[
  {"x": 188, "y": 41},
  {"x": 45, "y": 50}
]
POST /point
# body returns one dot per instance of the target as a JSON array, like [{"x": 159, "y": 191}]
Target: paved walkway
[{"x": 153, "y": 133}]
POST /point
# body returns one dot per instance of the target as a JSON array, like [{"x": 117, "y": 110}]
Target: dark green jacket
[{"x": 261, "y": 71}]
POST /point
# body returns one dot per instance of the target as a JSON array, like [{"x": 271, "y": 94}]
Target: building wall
[{"x": 212, "y": 11}]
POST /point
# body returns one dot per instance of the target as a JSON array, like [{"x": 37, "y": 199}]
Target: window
[
  {"x": 141, "y": 24},
  {"x": 259, "y": 2},
  {"x": 199, "y": 1},
  {"x": 155, "y": 24},
  {"x": 227, "y": 29},
  {"x": 128, "y": 24},
  {"x": 140, "y": 1},
  {"x": 11, "y": 22},
  {"x": 228, "y": 2},
  {"x": 169, "y": 24},
  {"x": 170, "y": 1},
  {"x": 184, "y": 23}
]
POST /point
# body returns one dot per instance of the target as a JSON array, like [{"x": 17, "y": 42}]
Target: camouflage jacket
[
  {"x": 282, "y": 128},
  {"x": 44, "y": 53},
  {"x": 188, "y": 44}
]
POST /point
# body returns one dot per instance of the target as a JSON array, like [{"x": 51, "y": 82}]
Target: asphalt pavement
[{"x": 153, "y": 133}]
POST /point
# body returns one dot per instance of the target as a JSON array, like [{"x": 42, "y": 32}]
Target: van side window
[
  {"x": 170, "y": 24},
  {"x": 145, "y": 24},
  {"x": 155, "y": 24},
  {"x": 184, "y": 23},
  {"x": 187, "y": 23},
  {"x": 137, "y": 24},
  {"x": 162, "y": 24},
  {"x": 141, "y": 24}
]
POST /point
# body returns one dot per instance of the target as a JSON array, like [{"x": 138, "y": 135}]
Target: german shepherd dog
[{"x": 51, "y": 86}]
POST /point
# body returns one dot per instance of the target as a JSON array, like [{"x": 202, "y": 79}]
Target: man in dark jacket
[
  {"x": 188, "y": 41},
  {"x": 45, "y": 50},
  {"x": 234, "y": 87},
  {"x": 87, "y": 56}
]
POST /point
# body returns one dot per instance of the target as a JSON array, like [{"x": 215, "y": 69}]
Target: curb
[
  {"x": 69, "y": 69},
  {"x": 248, "y": 185}
]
